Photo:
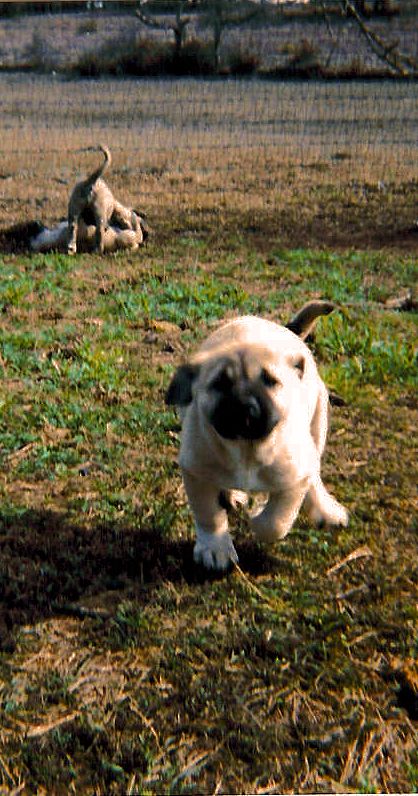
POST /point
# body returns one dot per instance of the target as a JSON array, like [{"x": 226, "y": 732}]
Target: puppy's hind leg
[
  {"x": 100, "y": 232},
  {"x": 322, "y": 508},
  {"x": 232, "y": 499},
  {"x": 277, "y": 517},
  {"x": 214, "y": 547},
  {"x": 72, "y": 234}
]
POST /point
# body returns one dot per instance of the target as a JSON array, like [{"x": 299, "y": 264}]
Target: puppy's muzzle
[{"x": 244, "y": 415}]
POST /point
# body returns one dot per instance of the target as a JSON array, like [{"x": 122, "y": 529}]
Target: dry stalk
[
  {"x": 43, "y": 729},
  {"x": 349, "y": 763}
]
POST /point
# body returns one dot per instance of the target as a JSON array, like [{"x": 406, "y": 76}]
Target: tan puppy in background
[
  {"x": 255, "y": 418},
  {"x": 93, "y": 201}
]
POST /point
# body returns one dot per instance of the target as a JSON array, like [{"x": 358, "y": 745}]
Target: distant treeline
[
  {"x": 366, "y": 8},
  {"x": 62, "y": 6}
]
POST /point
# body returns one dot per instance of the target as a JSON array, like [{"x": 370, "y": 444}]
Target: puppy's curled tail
[
  {"x": 304, "y": 320},
  {"x": 103, "y": 167}
]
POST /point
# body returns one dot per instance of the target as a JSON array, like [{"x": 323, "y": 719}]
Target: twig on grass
[
  {"x": 252, "y": 588},
  {"x": 135, "y": 709},
  {"x": 192, "y": 768},
  {"x": 43, "y": 729},
  {"x": 80, "y": 611},
  {"x": 4, "y": 767},
  {"x": 360, "y": 552},
  {"x": 21, "y": 453},
  {"x": 345, "y": 595}
]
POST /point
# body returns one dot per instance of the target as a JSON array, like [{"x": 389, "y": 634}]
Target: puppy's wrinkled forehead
[
  {"x": 253, "y": 362},
  {"x": 244, "y": 364}
]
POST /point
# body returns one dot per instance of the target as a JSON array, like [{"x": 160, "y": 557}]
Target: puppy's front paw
[
  {"x": 323, "y": 509},
  {"x": 214, "y": 551}
]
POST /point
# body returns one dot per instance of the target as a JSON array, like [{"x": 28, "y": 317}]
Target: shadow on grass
[
  {"x": 356, "y": 230},
  {"x": 48, "y": 564}
]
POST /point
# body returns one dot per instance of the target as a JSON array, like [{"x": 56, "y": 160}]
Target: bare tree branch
[
  {"x": 333, "y": 37},
  {"x": 400, "y": 63}
]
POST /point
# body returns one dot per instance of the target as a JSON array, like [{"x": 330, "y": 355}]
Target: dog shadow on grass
[{"x": 50, "y": 566}]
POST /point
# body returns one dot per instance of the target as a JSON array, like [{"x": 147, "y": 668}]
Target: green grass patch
[
  {"x": 124, "y": 667},
  {"x": 179, "y": 301}
]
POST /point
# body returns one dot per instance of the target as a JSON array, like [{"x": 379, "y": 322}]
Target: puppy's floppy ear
[{"x": 179, "y": 392}]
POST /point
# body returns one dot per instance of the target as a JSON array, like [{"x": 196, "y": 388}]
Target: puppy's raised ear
[
  {"x": 304, "y": 320},
  {"x": 179, "y": 392}
]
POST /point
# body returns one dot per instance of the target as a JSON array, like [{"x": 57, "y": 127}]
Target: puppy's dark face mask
[
  {"x": 239, "y": 399},
  {"x": 236, "y": 394}
]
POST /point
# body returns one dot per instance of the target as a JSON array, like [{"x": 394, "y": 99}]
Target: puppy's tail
[
  {"x": 103, "y": 167},
  {"x": 304, "y": 320}
]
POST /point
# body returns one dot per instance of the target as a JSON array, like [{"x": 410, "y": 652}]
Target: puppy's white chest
[
  {"x": 277, "y": 465},
  {"x": 249, "y": 479},
  {"x": 249, "y": 472}
]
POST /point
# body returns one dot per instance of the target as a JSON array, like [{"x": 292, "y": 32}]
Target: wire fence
[
  {"x": 213, "y": 132},
  {"x": 305, "y": 120}
]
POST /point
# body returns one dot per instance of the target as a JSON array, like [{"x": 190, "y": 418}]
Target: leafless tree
[
  {"x": 221, "y": 14},
  {"x": 178, "y": 25}
]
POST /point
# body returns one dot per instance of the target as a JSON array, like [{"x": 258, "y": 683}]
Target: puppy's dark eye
[
  {"x": 223, "y": 380},
  {"x": 268, "y": 379}
]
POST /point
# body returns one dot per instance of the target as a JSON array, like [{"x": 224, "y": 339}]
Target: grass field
[{"x": 124, "y": 668}]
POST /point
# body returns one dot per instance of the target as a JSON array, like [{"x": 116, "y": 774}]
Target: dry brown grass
[
  {"x": 306, "y": 163},
  {"x": 124, "y": 668}
]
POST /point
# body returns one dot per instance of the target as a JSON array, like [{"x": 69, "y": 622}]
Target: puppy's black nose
[
  {"x": 253, "y": 408},
  {"x": 255, "y": 418}
]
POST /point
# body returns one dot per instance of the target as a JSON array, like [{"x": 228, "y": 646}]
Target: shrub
[
  {"x": 304, "y": 59},
  {"x": 86, "y": 27},
  {"x": 146, "y": 57},
  {"x": 195, "y": 58},
  {"x": 240, "y": 62}
]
